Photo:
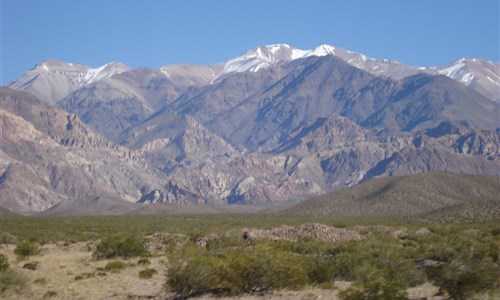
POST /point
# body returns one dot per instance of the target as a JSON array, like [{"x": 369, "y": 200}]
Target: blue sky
[{"x": 153, "y": 33}]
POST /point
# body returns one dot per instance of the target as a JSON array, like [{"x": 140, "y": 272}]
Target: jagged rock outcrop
[{"x": 49, "y": 155}]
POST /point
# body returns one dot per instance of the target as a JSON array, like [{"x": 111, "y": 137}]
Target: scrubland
[{"x": 246, "y": 256}]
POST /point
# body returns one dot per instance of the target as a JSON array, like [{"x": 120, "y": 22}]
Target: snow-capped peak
[
  {"x": 62, "y": 78},
  {"x": 266, "y": 56},
  {"x": 321, "y": 50},
  {"x": 458, "y": 70},
  {"x": 80, "y": 75},
  {"x": 105, "y": 71}
]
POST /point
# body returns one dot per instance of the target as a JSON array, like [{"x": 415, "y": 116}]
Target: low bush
[
  {"x": 231, "y": 266},
  {"x": 375, "y": 290},
  {"x": 7, "y": 238},
  {"x": 4, "y": 263},
  {"x": 469, "y": 263},
  {"x": 9, "y": 280},
  {"x": 26, "y": 248},
  {"x": 237, "y": 271},
  {"x": 40, "y": 281},
  {"x": 147, "y": 273},
  {"x": 115, "y": 266},
  {"x": 143, "y": 261},
  {"x": 32, "y": 265},
  {"x": 85, "y": 276},
  {"x": 119, "y": 246},
  {"x": 50, "y": 294},
  {"x": 377, "y": 257}
]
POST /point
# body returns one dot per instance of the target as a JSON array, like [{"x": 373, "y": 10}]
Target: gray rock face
[{"x": 49, "y": 155}]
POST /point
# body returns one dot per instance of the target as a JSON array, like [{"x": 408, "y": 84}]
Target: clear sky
[{"x": 153, "y": 33}]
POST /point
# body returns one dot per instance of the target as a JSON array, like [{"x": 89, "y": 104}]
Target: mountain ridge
[
  {"x": 289, "y": 125},
  {"x": 466, "y": 71}
]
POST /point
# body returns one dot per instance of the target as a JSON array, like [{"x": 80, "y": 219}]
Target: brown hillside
[{"x": 427, "y": 196}]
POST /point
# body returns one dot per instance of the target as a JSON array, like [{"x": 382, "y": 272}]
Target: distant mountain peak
[
  {"x": 51, "y": 79},
  {"x": 321, "y": 50},
  {"x": 266, "y": 56},
  {"x": 54, "y": 64}
]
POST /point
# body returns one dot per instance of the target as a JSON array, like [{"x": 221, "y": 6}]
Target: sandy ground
[{"x": 59, "y": 265}]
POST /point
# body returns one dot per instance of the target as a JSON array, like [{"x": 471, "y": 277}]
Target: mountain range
[{"x": 272, "y": 125}]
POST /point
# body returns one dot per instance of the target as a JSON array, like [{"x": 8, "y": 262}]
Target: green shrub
[
  {"x": 375, "y": 290},
  {"x": 495, "y": 231},
  {"x": 40, "y": 281},
  {"x": 377, "y": 257},
  {"x": 50, "y": 294},
  {"x": 322, "y": 271},
  {"x": 119, "y": 246},
  {"x": 4, "y": 263},
  {"x": 469, "y": 262},
  {"x": 26, "y": 248},
  {"x": 9, "y": 280},
  {"x": 237, "y": 271},
  {"x": 143, "y": 261},
  {"x": 85, "y": 275},
  {"x": 147, "y": 273},
  {"x": 115, "y": 266},
  {"x": 32, "y": 265},
  {"x": 265, "y": 268}
]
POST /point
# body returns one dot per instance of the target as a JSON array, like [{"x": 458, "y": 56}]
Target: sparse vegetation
[
  {"x": 8, "y": 278},
  {"x": 86, "y": 228},
  {"x": 143, "y": 261},
  {"x": 4, "y": 263},
  {"x": 375, "y": 290},
  {"x": 115, "y": 266},
  {"x": 41, "y": 281},
  {"x": 147, "y": 273},
  {"x": 209, "y": 254},
  {"x": 7, "y": 238},
  {"x": 85, "y": 275},
  {"x": 32, "y": 265},
  {"x": 50, "y": 294}
]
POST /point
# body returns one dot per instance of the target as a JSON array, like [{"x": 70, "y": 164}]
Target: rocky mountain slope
[
  {"x": 49, "y": 155},
  {"x": 275, "y": 124}
]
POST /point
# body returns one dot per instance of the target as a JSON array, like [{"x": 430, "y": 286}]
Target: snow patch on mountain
[
  {"x": 79, "y": 75},
  {"x": 267, "y": 56},
  {"x": 454, "y": 70},
  {"x": 105, "y": 71}
]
